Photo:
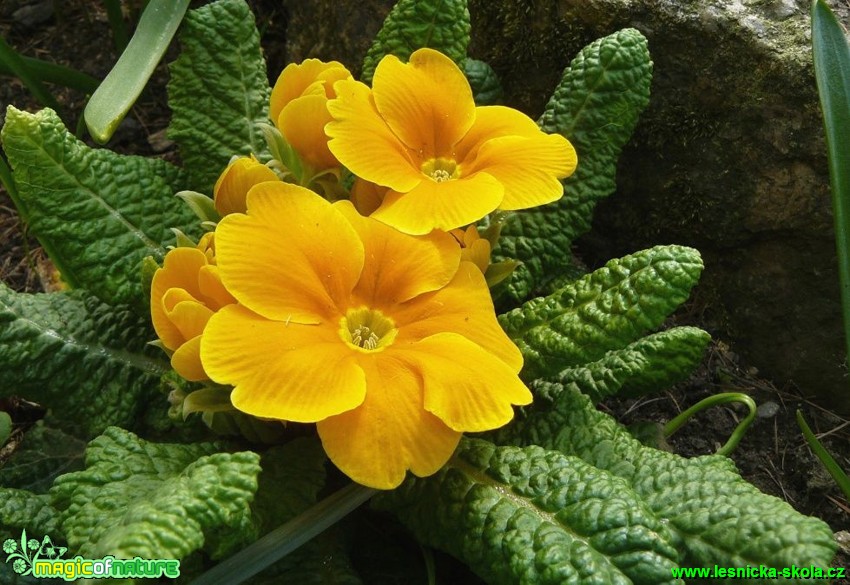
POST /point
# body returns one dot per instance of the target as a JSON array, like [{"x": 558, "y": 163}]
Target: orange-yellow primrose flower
[
  {"x": 446, "y": 162},
  {"x": 236, "y": 180},
  {"x": 298, "y": 107},
  {"x": 388, "y": 341},
  {"x": 185, "y": 293},
  {"x": 473, "y": 248}
]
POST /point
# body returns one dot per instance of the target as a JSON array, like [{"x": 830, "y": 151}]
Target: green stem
[
  {"x": 285, "y": 539},
  {"x": 723, "y": 398},
  {"x": 14, "y": 63},
  {"x": 831, "y": 466},
  {"x": 832, "y": 72},
  {"x": 8, "y": 180}
]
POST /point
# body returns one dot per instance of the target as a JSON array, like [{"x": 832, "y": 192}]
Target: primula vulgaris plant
[{"x": 338, "y": 275}]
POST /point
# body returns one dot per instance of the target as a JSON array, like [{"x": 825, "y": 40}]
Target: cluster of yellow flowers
[{"x": 370, "y": 317}]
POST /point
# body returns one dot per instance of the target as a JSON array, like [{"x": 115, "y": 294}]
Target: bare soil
[{"x": 773, "y": 455}]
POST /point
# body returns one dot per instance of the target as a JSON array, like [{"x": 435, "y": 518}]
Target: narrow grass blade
[
  {"x": 13, "y": 62},
  {"x": 55, "y": 73},
  {"x": 832, "y": 71},
  {"x": 120, "y": 38},
  {"x": 122, "y": 86},
  {"x": 831, "y": 466}
]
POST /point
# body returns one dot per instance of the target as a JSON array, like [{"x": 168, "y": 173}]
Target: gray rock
[{"x": 729, "y": 157}]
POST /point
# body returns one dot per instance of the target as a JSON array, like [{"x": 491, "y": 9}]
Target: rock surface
[{"x": 729, "y": 156}]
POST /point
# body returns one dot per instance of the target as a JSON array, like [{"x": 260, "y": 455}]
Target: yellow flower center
[
  {"x": 440, "y": 169},
  {"x": 367, "y": 329}
]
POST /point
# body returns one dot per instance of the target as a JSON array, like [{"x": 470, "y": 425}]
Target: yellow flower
[
  {"x": 388, "y": 341},
  {"x": 185, "y": 293},
  {"x": 446, "y": 162},
  {"x": 233, "y": 184},
  {"x": 298, "y": 107},
  {"x": 473, "y": 248}
]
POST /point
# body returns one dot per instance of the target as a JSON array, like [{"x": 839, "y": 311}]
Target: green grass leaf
[
  {"x": 219, "y": 90},
  {"x": 596, "y": 106},
  {"x": 125, "y": 82},
  {"x": 716, "y": 517},
  {"x": 97, "y": 214},
  {"x": 85, "y": 361},
  {"x": 413, "y": 24},
  {"x": 155, "y": 501},
  {"x": 535, "y": 516},
  {"x": 832, "y": 72},
  {"x": 602, "y": 311}
]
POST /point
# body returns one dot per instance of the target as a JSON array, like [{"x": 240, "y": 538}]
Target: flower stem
[
  {"x": 736, "y": 436},
  {"x": 285, "y": 539}
]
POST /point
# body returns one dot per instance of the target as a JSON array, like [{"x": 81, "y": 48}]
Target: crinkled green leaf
[
  {"x": 716, "y": 516},
  {"x": 486, "y": 87},
  {"x": 87, "y": 362},
  {"x": 534, "y": 516},
  {"x": 651, "y": 363},
  {"x": 596, "y": 106},
  {"x": 44, "y": 453},
  {"x": 24, "y": 510},
  {"x": 219, "y": 90},
  {"x": 601, "y": 311},
  {"x": 412, "y": 24},
  {"x": 154, "y": 501},
  {"x": 97, "y": 213}
]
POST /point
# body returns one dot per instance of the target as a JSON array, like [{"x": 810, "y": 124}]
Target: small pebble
[
  {"x": 767, "y": 409},
  {"x": 33, "y": 14}
]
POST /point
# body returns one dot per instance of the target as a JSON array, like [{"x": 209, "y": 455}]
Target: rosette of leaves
[{"x": 562, "y": 495}]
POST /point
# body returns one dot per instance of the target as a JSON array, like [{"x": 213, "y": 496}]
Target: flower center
[
  {"x": 367, "y": 329},
  {"x": 440, "y": 169}
]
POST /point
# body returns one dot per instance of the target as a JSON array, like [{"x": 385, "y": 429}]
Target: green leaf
[
  {"x": 157, "y": 500},
  {"x": 24, "y": 510},
  {"x": 716, "y": 516},
  {"x": 596, "y": 106},
  {"x": 124, "y": 83},
  {"x": 5, "y": 427},
  {"x": 601, "y": 311},
  {"x": 85, "y": 361},
  {"x": 219, "y": 90},
  {"x": 413, "y": 24},
  {"x": 650, "y": 364},
  {"x": 831, "y": 53},
  {"x": 97, "y": 213},
  {"x": 486, "y": 87},
  {"x": 534, "y": 516},
  {"x": 45, "y": 453}
]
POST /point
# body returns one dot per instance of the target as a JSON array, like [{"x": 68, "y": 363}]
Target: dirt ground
[{"x": 773, "y": 454}]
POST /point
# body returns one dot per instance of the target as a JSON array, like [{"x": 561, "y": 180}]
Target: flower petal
[
  {"x": 467, "y": 387},
  {"x": 188, "y": 315},
  {"x": 362, "y": 141},
  {"x": 186, "y": 361},
  {"x": 366, "y": 196},
  {"x": 292, "y": 258},
  {"x": 180, "y": 271},
  {"x": 444, "y": 206},
  {"x": 302, "y": 122},
  {"x": 209, "y": 281},
  {"x": 296, "y": 79},
  {"x": 233, "y": 184},
  {"x": 399, "y": 267},
  {"x": 294, "y": 372},
  {"x": 493, "y": 122},
  {"x": 529, "y": 168},
  {"x": 376, "y": 443},
  {"x": 464, "y": 307},
  {"x": 426, "y": 102}
]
